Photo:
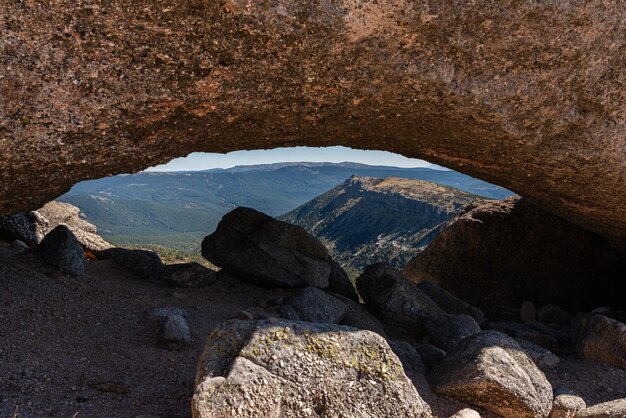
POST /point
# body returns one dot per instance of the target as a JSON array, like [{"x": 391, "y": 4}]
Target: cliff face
[
  {"x": 527, "y": 95},
  {"x": 366, "y": 220}
]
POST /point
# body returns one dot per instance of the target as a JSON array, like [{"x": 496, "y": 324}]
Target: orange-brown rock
[{"x": 528, "y": 95}]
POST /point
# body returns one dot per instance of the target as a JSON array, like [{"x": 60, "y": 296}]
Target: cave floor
[{"x": 68, "y": 345}]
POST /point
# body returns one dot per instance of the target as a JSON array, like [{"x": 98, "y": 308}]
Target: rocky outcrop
[
  {"x": 368, "y": 220},
  {"x": 528, "y": 96},
  {"x": 258, "y": 248},
  {"x": 61, "y": 249},
  {"x": 59, "y": 213},
  {"x": 603, "y": 340},
  {"x": 510, "y": 251},
  {"x": 389, "y": 295},
  {"x": 491, "y": 370},
  {"x": 282, "y": 368},
  {"x": 31, "y": 227}
]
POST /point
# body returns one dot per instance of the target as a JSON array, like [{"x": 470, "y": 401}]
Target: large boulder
[
  {"x": 258, "y": 248},
  {"x": 391, "y": 297},
  {"x": 313, "y": 305},
  {"x": 491, "y": 370},
  {"x": 61, "y": 249},
  {"x": 29, "y": 227},
  {"x": 145, "y": 264},
  {"x": 282, "y": 368},
  {"x": 510, "y": 251},
  {"x": 603, "y": 340}
]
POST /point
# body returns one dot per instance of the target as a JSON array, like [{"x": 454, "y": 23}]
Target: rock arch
[{"x": 529, "y": 95}]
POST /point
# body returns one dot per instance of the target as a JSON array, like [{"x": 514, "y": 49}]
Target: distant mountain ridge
[
  {"x": 366, "y": 220},
  {"x": 177, "y": 209}
]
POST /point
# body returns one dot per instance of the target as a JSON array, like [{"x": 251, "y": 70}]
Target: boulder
[
  {"x": 173, "y": 332},
  {"x": 528, "y": 313},
  {"x": 610, "y": 409},
  {"x": 543, "y": 358},
  {"x": 29, "y": 227},
  {"x": 510, "y": 251},
  {"x": 466, "y": 413},
  {"x": 391, "y": 297},
  {"x": 61, "y": 249},
  {"x": 566, "y": 404},
  {"x": 518, "y": 330},
  {"x": 358, "y": 317},
  {"x": 554, "y": 315},
  {"x": 145, "y": 264},
  {"x": 313, "y": 305},
  {"x": 191, "y": 275},
  {"x": 603, "y": 340},
  {"x": 450, "y": 303},
  {"x": 282, "y": 368},
  {"x": 260, "y": 249},
  {"x": 491, "y": 370},
  {"x": 430, "y": 355}
]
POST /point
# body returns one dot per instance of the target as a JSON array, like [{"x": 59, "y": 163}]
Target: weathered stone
[
  {"x": 258, "y": 248},
  {"x": 173, "y": 333},
  {"x": 313, "y": 305},
  {"x": 610, "y": 409},
  {"x": 190, "y": 275},
  {"x": 466, "y": 413},
  {"x": 509, "y": 251},
  {"x": 543, "y": 358},
  {"x": 145, "y": 264},
  {"x": 58, "y": 213},
  {"x": 528, "y": 312},
  {"x": 29, "y": 227},
  {"x": 603, "y": 340},
  {"x": 448, "y": 330},
  {"x": 566, "y": 404},
  {"x": 491, "y": 370},
  {"x": 391, "y": 297},
  {"x": 282, "y": 368},
  {"x": 450, "y": 303},
  {"x": 430, "y": 355},
  {"x": 358, "y": 317},
  {"x": 61, "y": 249},
  {"x": 518, "y": 100},
  {"x": 553, "y": 315},
  {"x": 517, "y": 330}
]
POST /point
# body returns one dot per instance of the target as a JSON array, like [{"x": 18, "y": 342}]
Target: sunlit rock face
[{"x": 528, "y": 95}]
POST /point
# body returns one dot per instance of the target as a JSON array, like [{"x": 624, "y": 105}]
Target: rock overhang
[{"x": 528, "y": 96}]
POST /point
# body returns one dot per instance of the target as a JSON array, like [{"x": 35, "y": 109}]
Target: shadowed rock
[
  {"x": 313, "y": 305},
  {"x": 603, "y": 340},
  {"x": 283, "y": 368},
  {"x": 258, "y": 248},
  {"x": 61, "y": 249},
  {"x": 145, "y": 264},
  {"x": 492, "y": 371},
  {"x": 509, "y": 251},
  {"x": 191, "y": 275}
]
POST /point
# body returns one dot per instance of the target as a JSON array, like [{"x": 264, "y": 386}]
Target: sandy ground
[{"x": 67, "y": 345}]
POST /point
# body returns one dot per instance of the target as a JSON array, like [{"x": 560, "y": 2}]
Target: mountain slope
[
  {"x": 177, "y": 209},
  {"x": 365, "y": 220}
]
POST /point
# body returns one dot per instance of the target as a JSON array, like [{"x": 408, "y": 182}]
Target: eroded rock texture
[{"x": 529, "y": 95}]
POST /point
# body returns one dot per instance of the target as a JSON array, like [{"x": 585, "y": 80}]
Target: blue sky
[{"x": 203, "y": 161}]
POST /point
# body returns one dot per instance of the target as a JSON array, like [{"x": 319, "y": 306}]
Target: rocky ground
[{"x": 116, "y": 333}]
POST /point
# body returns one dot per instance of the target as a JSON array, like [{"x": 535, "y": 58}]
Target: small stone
[
  {"x": 553, "y": 315},
  {"x": 244, "y": 315},
  {"x": 61, "y": 249},
  {"x": 528, "y": 313},
  {"x": 466, "y": 413},
  {"x": 611, "y": 409},
  {"x": 566, "y": 404}
]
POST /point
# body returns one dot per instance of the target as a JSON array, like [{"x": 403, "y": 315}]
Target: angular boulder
[
  {"x": 262, "y": 250},
  {"x": 313, "y": 305},
  {"x": 450, "y": 303},
  {"x": 491, "y": 370},
  {"x": 61, "y": 249},
  {"x": 509, "y": 251},
  {"x": 190, "y": 275},
  {"x": 391, "y": 297},
  {"x": 145, "y": 264},
  {"x": 603, "y": 340},
  {"x": 283, "y": 368}
]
